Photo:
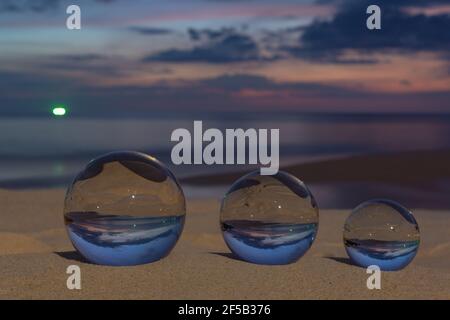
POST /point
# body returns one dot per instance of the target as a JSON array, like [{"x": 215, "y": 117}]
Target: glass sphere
[
  {"x": 269, "y": 219},
  {"x": 382, "y": 233},
  {"x": 124, "y": 208}
]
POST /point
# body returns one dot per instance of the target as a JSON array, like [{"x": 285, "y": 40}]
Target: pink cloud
[{"x": 227, "y": 12}]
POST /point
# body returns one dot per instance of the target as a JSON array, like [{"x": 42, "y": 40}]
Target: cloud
[
  {"x": 233, "y": 82},
  {"x": 240, "y": 82},
  {"x": 25, "y": 5},
  {"x": 87, "y": 57},
  {"x": 210, "y": 34},
  {"x": 42, "y": 90},
  {"x": 395, "y": 3},
  {"x": 343, "y": 39},
  {"x": 151, "y": 31},
  {"x": 228, "y": 93},
  {"x": 88, "y": 64},
  {"x": 400, "y": 31},
  {"x": 17, "y": 6},
  {"x": 222, "y": 46},
  {"x": 217, "y": 96}
]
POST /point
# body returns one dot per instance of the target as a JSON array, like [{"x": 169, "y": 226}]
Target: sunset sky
[{"x": 140, "y": 58}]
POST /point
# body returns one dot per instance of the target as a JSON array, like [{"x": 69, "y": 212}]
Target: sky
[{"x": 183, "y": 58}]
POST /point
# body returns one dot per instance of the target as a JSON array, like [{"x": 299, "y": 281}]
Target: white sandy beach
[{"x": 35, "y": 252}]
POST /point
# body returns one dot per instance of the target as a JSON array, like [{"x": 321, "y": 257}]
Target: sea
[{"x": 48, "y": 152}]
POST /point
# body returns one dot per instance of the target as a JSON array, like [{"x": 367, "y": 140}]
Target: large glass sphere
[
  {"x": 124, "y": 208},
  {"x": 269, "y": 219},
  {"x": 382, "y": 233}
]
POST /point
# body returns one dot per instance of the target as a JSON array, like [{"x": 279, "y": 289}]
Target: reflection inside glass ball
[
  {"x": 269, "y": 219},
  {"x": 124, "y": 208},
  {"x": 382, "y": 233}
]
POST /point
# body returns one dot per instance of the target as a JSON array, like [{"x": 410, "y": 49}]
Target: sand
[
  {"x": 35, "y": 252},
  {"x": 409, "y": 168}
]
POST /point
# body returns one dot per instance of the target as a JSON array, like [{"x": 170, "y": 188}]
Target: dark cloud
[
  {"x": 400, "y": 31},
  {"x": 395, "y": 3},
  {"x": 9, "y": 7},
  {"x": 25, "y": 5},
  {"x": 88, "y": 57},
  {"x": 17, "y": 6},
  {"x": 223, "y": 46},
  {"x": 212, "y": 95},
  {"x": 103, "y": 69},
  {"x": 236, "y": 82},
  {"x": 151, "y": 31},
  {"x": 94, "y": 64},
  {"x": 210, "y": 34},
  {"x": 42, "y": 90},
  {"x": 220, "y": 95}
]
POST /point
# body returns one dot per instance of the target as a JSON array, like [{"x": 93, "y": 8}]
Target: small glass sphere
[
  {"x": 124, "y": 208},
  {"x": 269, "y": 219},
  {"x": 382, "y": 233}
]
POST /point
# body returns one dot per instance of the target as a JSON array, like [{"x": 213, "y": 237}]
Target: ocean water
[
  {"x": 123, "y": 240},
  {"x": 268, "y": 243},
  {"x": 43, "y": 153},
  {"x": 388, "y": 255}
]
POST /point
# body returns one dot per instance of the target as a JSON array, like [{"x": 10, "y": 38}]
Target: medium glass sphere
[
  {"x": 269, "y": 219},
  {"x": 124, "y": 208},
  {"x": 382, "y": 233}
]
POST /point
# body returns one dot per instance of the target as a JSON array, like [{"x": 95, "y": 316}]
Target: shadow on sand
[
  {"x": 73, "y": 256},
  {"x": 344, "y": 260},
  {"x": 228, "y": 255}
]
